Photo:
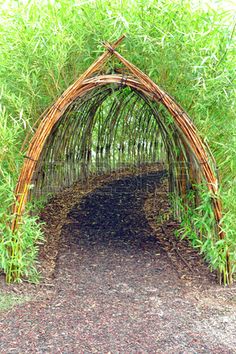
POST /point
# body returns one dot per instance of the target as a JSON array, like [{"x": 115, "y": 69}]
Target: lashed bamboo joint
[{"x": 59, "y": 132}]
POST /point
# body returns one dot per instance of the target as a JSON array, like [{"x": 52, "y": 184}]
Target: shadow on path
[{"x": 113, "y": 216}]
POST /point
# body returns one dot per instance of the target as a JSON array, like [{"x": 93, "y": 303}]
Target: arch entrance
[{"x": 158, "y": 126}]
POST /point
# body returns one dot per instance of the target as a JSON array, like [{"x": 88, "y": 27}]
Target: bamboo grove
[{"x": 116, "y": 115}]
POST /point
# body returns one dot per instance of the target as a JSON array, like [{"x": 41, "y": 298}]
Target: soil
[{"x": 120, "y": 281}]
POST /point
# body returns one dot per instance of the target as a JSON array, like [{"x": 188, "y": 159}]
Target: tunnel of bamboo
[{"x": 109, "y": 119}]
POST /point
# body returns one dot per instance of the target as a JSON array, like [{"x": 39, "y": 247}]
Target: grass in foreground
[{"x": 8, "y": 301}]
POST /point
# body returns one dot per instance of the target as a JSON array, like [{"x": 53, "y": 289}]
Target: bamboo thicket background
[{"x": 188, "y": 50}]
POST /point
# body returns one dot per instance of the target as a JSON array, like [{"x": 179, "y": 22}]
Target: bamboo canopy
[{"x": 58, "y": 132}]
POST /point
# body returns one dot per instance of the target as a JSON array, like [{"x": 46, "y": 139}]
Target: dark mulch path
[{"x": 117, "y": 290}]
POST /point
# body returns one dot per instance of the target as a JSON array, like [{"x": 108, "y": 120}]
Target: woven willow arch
[{"x": 137, "y": 80}]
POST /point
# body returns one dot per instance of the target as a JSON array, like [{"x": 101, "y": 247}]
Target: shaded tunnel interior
[{"x": 110, "y": 128}]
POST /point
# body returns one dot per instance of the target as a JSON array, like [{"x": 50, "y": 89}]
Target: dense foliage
[{"x": 188, "y": 50}]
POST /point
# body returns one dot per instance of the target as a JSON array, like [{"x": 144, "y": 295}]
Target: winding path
[{"x": 116, "y": 290}]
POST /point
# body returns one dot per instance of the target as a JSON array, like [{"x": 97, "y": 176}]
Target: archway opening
[
  {"x": 110, "y": 128},
  {"x": 114, "y": 128}
]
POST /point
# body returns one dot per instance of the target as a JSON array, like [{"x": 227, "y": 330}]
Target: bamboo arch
[{"x": 137, "y": 80}]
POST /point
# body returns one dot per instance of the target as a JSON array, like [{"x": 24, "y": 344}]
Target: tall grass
[{"x": 188, "y": 49}]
